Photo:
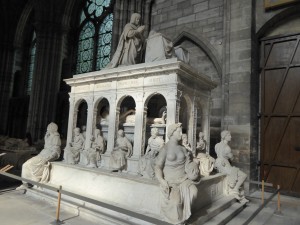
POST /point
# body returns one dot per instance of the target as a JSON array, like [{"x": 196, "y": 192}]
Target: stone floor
[{"x": 19, "y": 209}]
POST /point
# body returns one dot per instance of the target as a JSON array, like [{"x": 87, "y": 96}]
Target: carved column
[
  {"x": 173, "y": 108},
  {"x": 89, "y": 122},
  {"x": 114, "y": 113},
  {"x": 71, "y": 118},
  {"x": 46, "y": 79},
  {"x": 193, "y": 130},
  {"x": 138, "y": 128},
  {"x": 144, "y": 129}
]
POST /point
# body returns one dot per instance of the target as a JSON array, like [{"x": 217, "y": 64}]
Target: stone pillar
[
  {"x": 114, "y": 113},
  {"x": 173, "y": 108},
  {"x": 71, "y": 119},
  {"x": 237, "y": 83},
  {"x": 46, "y": 78},
  {"x": 193, "y": 131},
  {"x": 89, "y": 123},
  {"x": 6, "y": 82},
  {"x": 138, "y": 128},
  {"x": 206, "y": 121}
]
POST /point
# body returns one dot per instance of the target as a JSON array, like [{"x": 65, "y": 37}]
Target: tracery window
[
  {"x": 94, "y": 43},
  {"x": 32, "y": 52}
]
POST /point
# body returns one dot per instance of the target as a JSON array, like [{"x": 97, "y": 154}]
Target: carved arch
[
  {"x": 149, "y": 96},
  {"x": 204, "y": 45},
  {"x": 287, "y": 13},
  {"x": 19, "y": 36},
  {"x": 79, "y": 101}
]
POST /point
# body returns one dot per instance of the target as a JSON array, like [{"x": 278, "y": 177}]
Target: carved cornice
[{"x": 144, "y": 70}]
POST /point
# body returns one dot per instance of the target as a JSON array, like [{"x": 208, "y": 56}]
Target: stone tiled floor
[{"x": 19, "y": 209}]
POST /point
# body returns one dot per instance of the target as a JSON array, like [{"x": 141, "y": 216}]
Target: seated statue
[
  {"x": 97, "y": 147},
  {"x": 176, "y": 174},
  {"x": 234, "y": 175},
  {"x": 130, "y": 45},
  {"x": 147, "y": 162},
  {"x": 121, "y": 151},
  {"x": 38, "y": 167},
  {"x": 82, "y": 157},
  {"x": 73, "y": 150},
  {"x": 201, "y": 144},
  {"x": 206, "y": 162},
  {"x": 185, "y": 143}
]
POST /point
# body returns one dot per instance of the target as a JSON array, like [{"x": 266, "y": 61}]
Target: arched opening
[
  {"x": 184, "y": 115},
  {"x": 156, "y": 116},
  {"x": 102, "y": 120},
  {"x": 82, "y": 115},
  {"x": 127, "y": 117}
]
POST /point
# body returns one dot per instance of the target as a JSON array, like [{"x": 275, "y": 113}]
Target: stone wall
[
  {"x": 226, "y": 27},
  {"x": 202, "y": 22}
]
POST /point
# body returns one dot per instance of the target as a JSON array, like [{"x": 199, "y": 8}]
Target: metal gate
[{"x": 280, "y": 105}]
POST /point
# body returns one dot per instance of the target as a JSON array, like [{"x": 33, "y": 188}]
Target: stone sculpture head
[
  {"x": 121, "y": 133},
  {"x": 77, "y": 131},
  {"x": 184, "y": 139},
  {"x": 175, "y": 130},
  {"x": 225, "y": 135},
  {"x": 154, "y": 132},
  {"x": 135, "y": 19},
  {"x": 52, "y": 127},
  {"x": 97, "y": 132},
  {"x": 201, "y": 135}
]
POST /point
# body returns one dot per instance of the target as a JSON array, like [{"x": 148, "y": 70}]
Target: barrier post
[
  {"x": 58, "y": 205},
  {"x": 278, "y": 199},
  {"x": 262, "y": 191}
]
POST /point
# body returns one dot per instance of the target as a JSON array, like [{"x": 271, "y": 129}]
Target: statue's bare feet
[
  {"x": 243, "y": 200},
  {"x": 22, "y": 187}
]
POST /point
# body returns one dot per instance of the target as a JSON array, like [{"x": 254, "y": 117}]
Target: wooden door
[{"x": 280, "y": 106}]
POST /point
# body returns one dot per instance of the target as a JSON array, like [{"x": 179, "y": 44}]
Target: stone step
[
  {"x": 226, "y": 215},
  {"x": 211, "y": 211},
  {"x": 244, "y": 215}
]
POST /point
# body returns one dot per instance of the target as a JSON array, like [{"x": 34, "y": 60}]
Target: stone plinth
[{"x": 129, "y": 192}]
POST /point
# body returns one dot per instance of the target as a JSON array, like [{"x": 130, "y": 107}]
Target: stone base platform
[{"x": 123, "y": 190}]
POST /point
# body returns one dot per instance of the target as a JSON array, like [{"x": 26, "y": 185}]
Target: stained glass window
[
  {"x": 32, "y": 52},
  {"x": 94, "y": 43},
  {"x": 86, "y": 48}
]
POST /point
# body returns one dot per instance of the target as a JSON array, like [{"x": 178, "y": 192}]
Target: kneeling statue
[{"x": 38, "y": 167}]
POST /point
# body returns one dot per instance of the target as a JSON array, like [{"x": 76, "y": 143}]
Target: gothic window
[
  {"x": 95, "y": 36},
  {"x": 32, "y": 52}
]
